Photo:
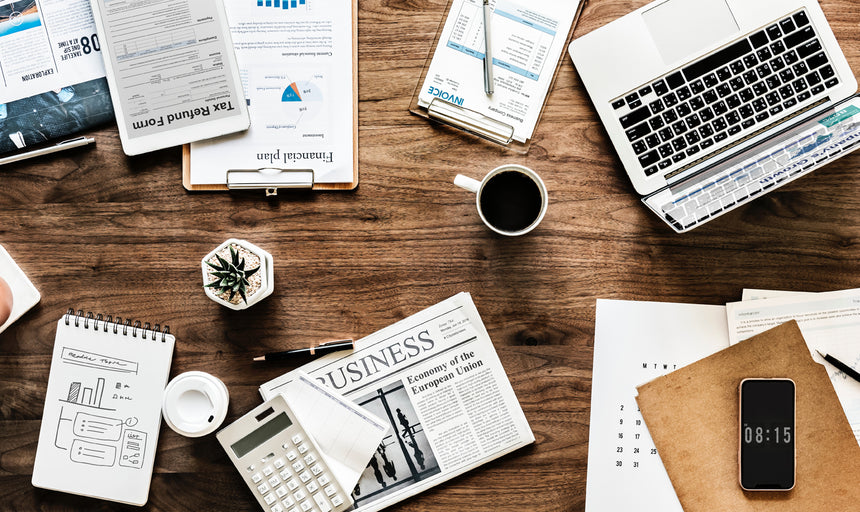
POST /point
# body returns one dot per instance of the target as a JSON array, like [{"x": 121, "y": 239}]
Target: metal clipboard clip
[
  {"x": 470, "y": 121},
  {"x": 269, "y": 178}
]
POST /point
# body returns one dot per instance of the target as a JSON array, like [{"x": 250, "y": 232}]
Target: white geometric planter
[{"x": 266, "y": 272}]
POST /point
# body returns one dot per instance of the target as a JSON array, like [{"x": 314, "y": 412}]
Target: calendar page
[{"x": 635, "y": 342}]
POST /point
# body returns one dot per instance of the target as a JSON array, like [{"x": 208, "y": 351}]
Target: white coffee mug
[
  {"x": 195, "y": 403},
  {"x": 508, "y": 203}
]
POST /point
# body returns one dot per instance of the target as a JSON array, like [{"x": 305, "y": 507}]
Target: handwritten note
[
  {"x": 91, "y": 360},
  {"x": 102, "y": 413}
]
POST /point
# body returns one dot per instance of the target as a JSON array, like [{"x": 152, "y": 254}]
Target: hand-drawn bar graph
[
  {"x": 89, "y": 396},
  {"x": 282, "y": 4}
]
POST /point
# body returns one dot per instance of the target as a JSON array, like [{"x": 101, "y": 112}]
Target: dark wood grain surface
[{"x": 97, "y": 230}]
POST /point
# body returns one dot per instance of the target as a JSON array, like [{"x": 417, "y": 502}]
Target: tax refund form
[{"x": 527, "y": 40}]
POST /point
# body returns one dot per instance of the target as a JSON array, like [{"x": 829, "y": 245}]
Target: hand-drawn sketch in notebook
[{"x": 103, "y": 407}]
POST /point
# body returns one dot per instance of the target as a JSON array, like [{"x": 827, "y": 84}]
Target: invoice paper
[
  {"x": 346, "y": 434},
  {"x": 635, "y": 342},
  {"x": 296, "y": 63},
  {"x": 526, "y": 41},
  {"x": 829, "y": 321}
]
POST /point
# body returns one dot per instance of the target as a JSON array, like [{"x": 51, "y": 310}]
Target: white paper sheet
[
  {"x": 755, "y": 294},
  {"x": 526, "y": 42},
  {"x": 635, "y": 342},
  {"x": 346, "y": 434},
  {"x": 829, "y": 321}
]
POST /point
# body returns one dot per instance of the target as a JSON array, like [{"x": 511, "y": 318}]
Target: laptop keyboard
[
  {"x": 771, "y": 168},
  {"x": 731, "y": 93}
]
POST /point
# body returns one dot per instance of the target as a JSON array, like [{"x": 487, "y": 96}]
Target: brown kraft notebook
[{"x": 692, "y": 415}]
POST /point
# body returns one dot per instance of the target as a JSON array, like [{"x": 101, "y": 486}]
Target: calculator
[{"x": 280, "y": 462}]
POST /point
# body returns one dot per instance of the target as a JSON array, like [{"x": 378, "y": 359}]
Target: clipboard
[
  {"x": 273, "y": 178},
  {"x": 472, "y": 122}
]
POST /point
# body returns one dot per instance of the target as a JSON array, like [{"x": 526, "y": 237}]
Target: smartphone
[{"x": 766, "y": 452}]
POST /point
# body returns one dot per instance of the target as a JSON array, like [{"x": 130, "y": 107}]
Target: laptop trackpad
[{"x": 683, "y": 28}]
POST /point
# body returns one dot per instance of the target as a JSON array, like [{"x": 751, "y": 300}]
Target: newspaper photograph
[
  {"x": 46, "y": 45},
  {"x": 437, "y": 380}
]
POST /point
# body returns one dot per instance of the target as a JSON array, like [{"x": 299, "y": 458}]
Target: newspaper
[
  {"x": 436, "y": 378},
  {"x": 46, "y": 45}
]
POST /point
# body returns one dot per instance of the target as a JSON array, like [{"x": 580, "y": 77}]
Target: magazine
[
  {"x": 436, "y": 378},
  {"x": 51, "y": 72}
]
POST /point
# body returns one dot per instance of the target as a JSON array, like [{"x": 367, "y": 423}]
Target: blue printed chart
[{"x": 284, "y": 4}]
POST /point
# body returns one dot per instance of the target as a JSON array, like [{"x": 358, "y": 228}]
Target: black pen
[
  {"x": 842, "y": 366},
  {"x": 323, "y": 348}
]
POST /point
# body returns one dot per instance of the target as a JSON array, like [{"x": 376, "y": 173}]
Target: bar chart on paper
[
  {"x": 286, "y": 4},
  {"x": 81, "y": 393}
]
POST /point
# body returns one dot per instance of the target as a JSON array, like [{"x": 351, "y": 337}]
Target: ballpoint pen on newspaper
[
  {"x": 321, "y": 349},
  {"x": 842, "y": 366},
  {"x": 488, "y": 54},
  {"x": 60, "y": 146}
]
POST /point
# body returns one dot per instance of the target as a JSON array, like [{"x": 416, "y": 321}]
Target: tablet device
[{"x": 171, "y": 70}]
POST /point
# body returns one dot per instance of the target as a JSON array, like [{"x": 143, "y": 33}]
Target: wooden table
[{"x": 99, "y": 231}]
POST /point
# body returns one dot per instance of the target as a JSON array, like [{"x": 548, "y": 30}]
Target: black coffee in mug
[{"x": 511, "y": 201}]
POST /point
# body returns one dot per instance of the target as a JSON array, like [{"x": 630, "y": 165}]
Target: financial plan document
[
  {"x": 296, "y": 63},
  {"x": 526, "y": 41}
]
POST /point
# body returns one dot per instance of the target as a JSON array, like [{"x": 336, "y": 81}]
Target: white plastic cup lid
[{"x": 195, "y": 403}]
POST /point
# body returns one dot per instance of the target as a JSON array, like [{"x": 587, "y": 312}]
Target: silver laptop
[{"x": 712, "y": 103}]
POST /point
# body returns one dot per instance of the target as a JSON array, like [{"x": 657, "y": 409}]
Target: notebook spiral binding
[{"x": 128, "y": 327}]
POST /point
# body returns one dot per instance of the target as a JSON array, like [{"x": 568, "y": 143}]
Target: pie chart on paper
[
  {"x": 301, "y": 91},
  {"x": 301, "y": 102}
]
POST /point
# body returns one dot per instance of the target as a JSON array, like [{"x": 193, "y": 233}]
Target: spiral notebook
[{"x": 103, "y": 407}]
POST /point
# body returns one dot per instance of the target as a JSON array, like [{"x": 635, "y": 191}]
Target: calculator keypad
[
  {"x": 284, "y": 470},
  {"x": 294, "y": 484}
]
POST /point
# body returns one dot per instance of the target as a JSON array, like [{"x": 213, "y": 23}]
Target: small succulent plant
[{"x": 231, "y": 276}]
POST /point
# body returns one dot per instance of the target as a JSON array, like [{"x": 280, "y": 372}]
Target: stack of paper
[{"x": 624, "y": 469}]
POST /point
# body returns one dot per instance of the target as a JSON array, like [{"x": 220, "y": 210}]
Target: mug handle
[{"x": 467, "y": 183}]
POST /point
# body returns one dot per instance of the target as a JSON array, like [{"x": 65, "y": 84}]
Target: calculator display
[{"x": 259, "y": 436}]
